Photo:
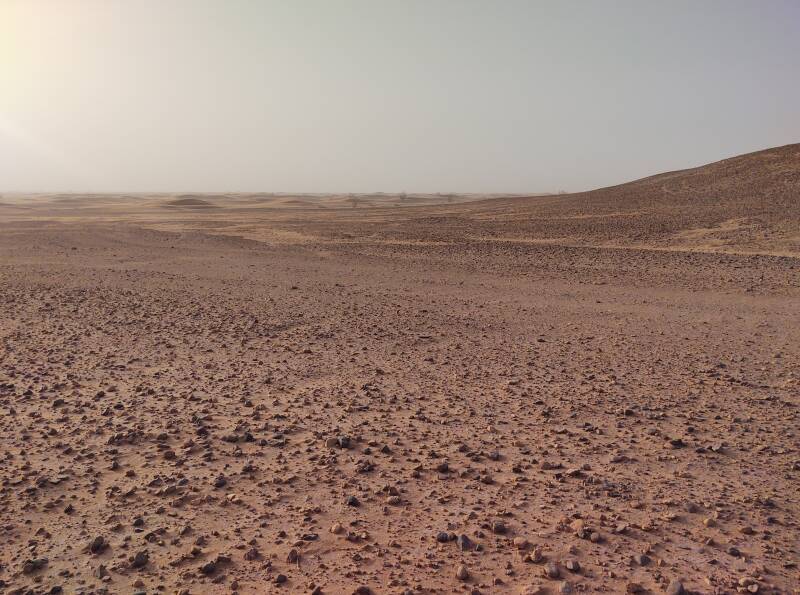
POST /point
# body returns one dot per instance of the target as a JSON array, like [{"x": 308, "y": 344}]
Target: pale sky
[{"x": 387, "y": 95}]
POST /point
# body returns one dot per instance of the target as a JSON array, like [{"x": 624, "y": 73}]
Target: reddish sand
[{"x": 596, "y": 392}]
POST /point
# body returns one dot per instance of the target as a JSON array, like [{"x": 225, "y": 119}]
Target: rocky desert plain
[{"x": 409, "y": 394}]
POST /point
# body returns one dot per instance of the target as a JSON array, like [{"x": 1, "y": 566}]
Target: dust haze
[{"x": 368, "y": 346}]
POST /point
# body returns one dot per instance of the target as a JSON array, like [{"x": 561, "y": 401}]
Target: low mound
[
  {"x": 745, "y": 203},
  {"x": 193, "y": 202},
  {"x": 296, "y": 202}
]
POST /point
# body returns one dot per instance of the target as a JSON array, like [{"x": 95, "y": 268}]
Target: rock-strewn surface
[{"x": 187, "y": 411}]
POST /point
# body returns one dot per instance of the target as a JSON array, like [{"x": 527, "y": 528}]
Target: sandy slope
[{"x": 581, "y": 392}]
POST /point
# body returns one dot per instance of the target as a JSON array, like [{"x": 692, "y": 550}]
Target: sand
[{"x": 266, "y": 393}]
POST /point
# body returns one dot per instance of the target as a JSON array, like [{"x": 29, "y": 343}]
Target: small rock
[
  {"x": 551, "y": 570},
  {"x": 32, "y": 566},
  {"x": 536, "y": 556},
  {"x": 140, "y": 560},
  {"x": 98, "y": 544},
  {"x": 209, "y": 568},
  {"x": 572, "y": 565},
  {"x": 465, "y": 544}
]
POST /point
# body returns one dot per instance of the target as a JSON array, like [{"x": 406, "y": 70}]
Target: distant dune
[
  {"x": 753, "y": 183},
  {"x": 749, "y": 202},
  {"x": 297, "y": 202},
  {"x": 191, "y": 202},
  {"x": 745, "y": 204}
]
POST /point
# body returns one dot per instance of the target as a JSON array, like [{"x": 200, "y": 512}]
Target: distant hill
[
  {"x": 191, "y": 202},
  {"x": 745, "y": 203}
]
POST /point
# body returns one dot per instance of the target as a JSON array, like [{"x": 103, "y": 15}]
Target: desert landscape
[{"x": 443, "y": 393}]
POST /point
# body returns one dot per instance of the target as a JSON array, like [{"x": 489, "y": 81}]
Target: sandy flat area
[{"x": 549, "y": 394}]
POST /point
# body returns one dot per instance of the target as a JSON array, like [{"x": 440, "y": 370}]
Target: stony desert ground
[{"x": 593, "y": 392}]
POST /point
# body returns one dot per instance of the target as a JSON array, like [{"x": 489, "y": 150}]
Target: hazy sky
[{"x": 387, "y": 95}]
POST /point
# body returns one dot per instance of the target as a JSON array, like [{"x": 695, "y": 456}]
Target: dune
[
  {"x": 191, "y": 202},
  {"x": 746, "y": 203}
]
